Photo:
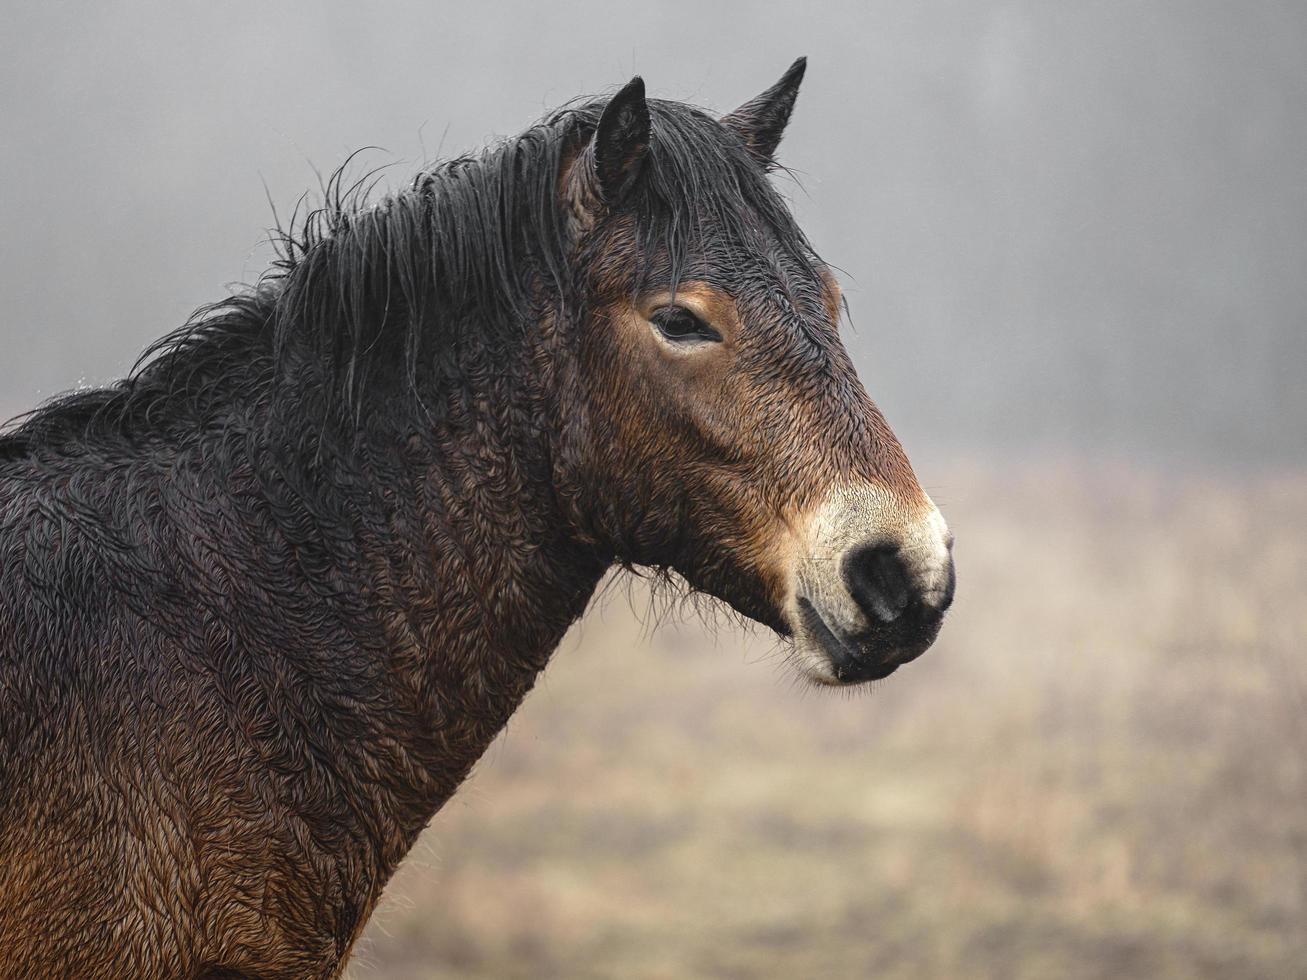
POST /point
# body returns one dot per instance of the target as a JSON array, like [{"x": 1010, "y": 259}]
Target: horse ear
[
  {"x": 621, "y": 142},
  {"x": 760, "y": 122}
]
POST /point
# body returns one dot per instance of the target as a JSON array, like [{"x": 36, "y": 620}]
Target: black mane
[{"x": 362, "y": 292}]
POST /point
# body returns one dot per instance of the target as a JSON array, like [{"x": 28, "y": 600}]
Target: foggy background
[
  {"x": 1063, "y": 224},
  {"x": 1073, "y": 238}
]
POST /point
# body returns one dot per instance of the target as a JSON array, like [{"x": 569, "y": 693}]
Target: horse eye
[{"x": 679, "y": 325}]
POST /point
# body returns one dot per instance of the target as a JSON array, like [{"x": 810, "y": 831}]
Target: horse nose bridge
[{"x": 860, "y": 444}]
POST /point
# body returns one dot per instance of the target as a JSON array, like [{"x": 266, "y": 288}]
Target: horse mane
[{"x": 359, "y": 291}]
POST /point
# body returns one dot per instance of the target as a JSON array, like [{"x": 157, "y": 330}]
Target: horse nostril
[{"x": 878, "y": 581}]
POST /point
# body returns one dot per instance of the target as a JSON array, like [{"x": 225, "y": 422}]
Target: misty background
[
  {"x": 1062, "y": 226},
  {"x": 1073, "y": 240}
]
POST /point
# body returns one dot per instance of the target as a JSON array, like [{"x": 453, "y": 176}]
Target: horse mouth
[{"x": 840, "y": 659}]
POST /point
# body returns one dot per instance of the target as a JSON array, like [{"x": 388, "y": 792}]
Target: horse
[{"x": 265, "y": 601}]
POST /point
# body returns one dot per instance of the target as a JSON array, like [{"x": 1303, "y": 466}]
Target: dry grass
[{"x": 1100, "y": 771}]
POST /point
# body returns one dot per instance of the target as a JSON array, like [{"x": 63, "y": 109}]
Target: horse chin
[{"x": 825, "y": 655}]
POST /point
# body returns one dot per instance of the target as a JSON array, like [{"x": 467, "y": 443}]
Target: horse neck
[{"x": 468, "y": 563}]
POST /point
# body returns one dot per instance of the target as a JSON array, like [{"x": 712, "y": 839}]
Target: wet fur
[{"x": 264, "y": 603}]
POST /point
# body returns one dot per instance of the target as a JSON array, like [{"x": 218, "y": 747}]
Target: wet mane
[{"x": 364, "y": 294}]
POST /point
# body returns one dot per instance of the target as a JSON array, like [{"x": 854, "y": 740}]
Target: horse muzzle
[{"x": 872, "y": 588}]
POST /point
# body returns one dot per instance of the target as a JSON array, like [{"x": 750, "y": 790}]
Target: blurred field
[{"x": 1099, "y": 771}]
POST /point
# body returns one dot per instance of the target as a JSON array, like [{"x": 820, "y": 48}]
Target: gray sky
[{"x": 1064, "y": 226}]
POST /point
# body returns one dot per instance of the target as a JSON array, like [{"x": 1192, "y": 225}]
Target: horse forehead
[
  {"x": 791, "y": 310},
  {"x": 786, "y": 290}
]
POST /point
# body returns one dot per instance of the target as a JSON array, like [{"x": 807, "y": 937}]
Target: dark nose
[{"x": 885, "y": 590}]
